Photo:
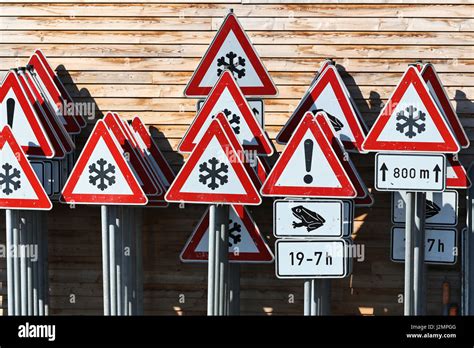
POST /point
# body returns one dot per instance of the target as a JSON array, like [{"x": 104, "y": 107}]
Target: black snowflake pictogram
[
  {"x": 234, "y": 120},
  {"x": 102, "y": 174},
  {"x": 234, "y": 233},
  {"x": 215, "y": 173},
  {"x": 8, "y": 177},
  {"x": 411, "y": 122},
  {"x": 235, "y": 67}
]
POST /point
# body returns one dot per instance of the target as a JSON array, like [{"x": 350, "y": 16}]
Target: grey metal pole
[
  {"x": 29, "y": 266},
  {"x": 133, "y": 263},
  {"x": 211, "y": 261},
  {"x": 35, "y": 266},
  {"x": 9, "y": 242},
  {"x": 105, "y": 259},
  {"x": 419, "y": 255},
  {"x": 125, "y": 259},
  {"x": 41, "y": 268},
  {"x": 222, "y": 217},
  {"x": 315, "y": 297},
  {"x": 234, "y": 288},
  {"x": 118, "y": 258},
  {"x": 409, "y": 233},
  {"x": 307, "y": 297},
  {"x": 44, "y": 233},
  {"x": 16, "y": 263},
  {"x": 139, "y": 259},
  {"x": 23, "y": 278},
  {"x": 112, "y": 280}
]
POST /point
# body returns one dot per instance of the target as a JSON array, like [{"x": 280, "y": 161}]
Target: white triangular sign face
[
  {"x": 231, "y": 49},
  {"x": 101, "y": 174},
  {"x": 308, "y": 166},
  {"x": 411, "y": 121},
  {"x": 246, "y": 244},
  {"x": 19, "y": 185},
  {"x": 330, "y": 95},
  {"x": 213, "y": 173}
]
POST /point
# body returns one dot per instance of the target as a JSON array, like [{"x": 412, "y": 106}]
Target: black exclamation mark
[
  {"x": 308, "y": 154},
  {"x": 10, "y": 111}
]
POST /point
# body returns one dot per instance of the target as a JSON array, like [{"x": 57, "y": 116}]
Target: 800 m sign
[{"x": 410, "y": 172}]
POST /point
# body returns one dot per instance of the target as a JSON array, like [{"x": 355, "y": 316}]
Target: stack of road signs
[
  {"x": 315, "y": 232},
  {"x": 120, "y": 164},
  {"x": 226, "y": 140},
  {"x": 418, "y": 135},
  {"x": 35, "y": 104}
]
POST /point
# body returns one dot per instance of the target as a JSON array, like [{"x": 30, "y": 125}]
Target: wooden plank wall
[{"x": 135, "y": 57}]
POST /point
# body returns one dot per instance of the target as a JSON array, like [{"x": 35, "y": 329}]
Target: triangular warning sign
[
  {"x": 441, "y": 98},
  {"x": 411, "y": 121},
  {"x": 456, "y": 175},
  {"x": 19, "y": 186},
  {"x": 101, "y": 174},
  {"x": 246, "y": 244},
  {"x": 308, "y": 166},
  {"x": 231, "y": 49},
  {"x": 227, "y": 97},
  {"x": 330, "y": 95},
  {"x": 213, "y": 173},
  {"x": 363, "y": 198},
  {"x": 17, "y": 112}
]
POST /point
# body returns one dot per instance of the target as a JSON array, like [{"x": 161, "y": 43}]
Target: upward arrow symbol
[
  {"x": 384, "y": 169},
  {"x": 437, "y": 170}
]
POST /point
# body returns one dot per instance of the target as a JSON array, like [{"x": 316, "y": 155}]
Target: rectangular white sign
[
  {"x": 441, "y": 208},
  {"x": 312, "y": 258},
  {"x": 440, "y": 245},
  {"x": 410, "y": 172},
  {"x": 310, "y": 218}
]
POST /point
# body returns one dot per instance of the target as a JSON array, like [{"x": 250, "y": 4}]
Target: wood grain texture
[{"x": 135, "y": 57}]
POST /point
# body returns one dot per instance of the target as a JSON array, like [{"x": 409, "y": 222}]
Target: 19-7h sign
[
  {"x": 308, "y": 259},
  {"x": 410, "y": 172}
]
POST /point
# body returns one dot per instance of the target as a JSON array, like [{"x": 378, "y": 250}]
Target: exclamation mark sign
[
  {"x": 10, "y": 111},
  {"x": 308, "y": 155}
]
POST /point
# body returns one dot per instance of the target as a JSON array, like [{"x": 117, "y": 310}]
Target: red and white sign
[
  {"x": 363, "y": 198},
  {"x": 329, "y": 94},
  {"x": 411, "y": 121},
  {"x": 444, "y": 104},
  {"x": 456, "y": 175},
  {"x": 101, "y": 174},
  {"x": 231, "y": 50},
  {"x": 214, "y": 173},
  {"x": 19, "y": 185},
  {"x": 309, "y": 167},
  {"x": 46, "y": 83},
  {"x": 149, "y": 186},
  {"x": 246, "y": 243},
  {"x": 17, "y": 112},
  {"x": 227, "y": 97},
  {"x": 64, "y": 93}
]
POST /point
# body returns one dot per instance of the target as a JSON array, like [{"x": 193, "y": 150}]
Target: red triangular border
[
  {"x": 411, "y": 77},
  {"x": 42, "y": 202},
  {"x": 329, "y": 75},
  {"x": 45, "y": 148},
  {"x": 462, "y": 180},
  {"x": 251, "y": 197},
  {"x": 231, "y": 23},
  {"x": 346, "y": 190},
  {"x": 136, "y": 198},
  {"x": 429, "y": 74},
  {"x": 226, "y": 80},
  {"x": 264, "y": 254}
]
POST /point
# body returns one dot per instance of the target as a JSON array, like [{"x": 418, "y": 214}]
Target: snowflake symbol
[
  {"x": 411, "y": 122},
  {"x": 102, "y": 174},
  {"x": 231, "y": 64},
  {"x": 213, "y": 173},
  {"x": 233, "y": 120},
  {"x": 234, "y": 233},
  {"x": 8, "y": 177}
]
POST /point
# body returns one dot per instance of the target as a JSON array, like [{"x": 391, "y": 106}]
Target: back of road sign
[
  {"x": 101, "y": 174},
  {"x": 231, "y": 50},
  {"x": 411, "y": 121},
  {"x": 308, "y": 167},
  {"x": 19, "y": 185}
]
